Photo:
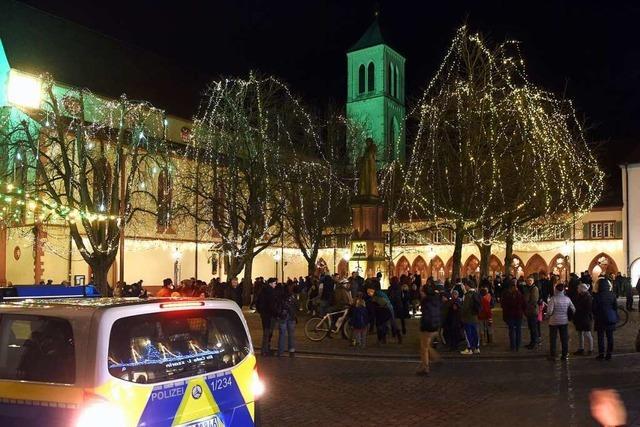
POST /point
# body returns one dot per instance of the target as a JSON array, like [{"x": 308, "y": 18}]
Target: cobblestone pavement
[
  {"x": 316, "y": 390},
  {"x": 624, "y": 339}
]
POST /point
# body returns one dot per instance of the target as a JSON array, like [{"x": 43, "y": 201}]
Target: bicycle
[
  {"x": 623, "y": 316},
  {"x": 317, "y": 328}
]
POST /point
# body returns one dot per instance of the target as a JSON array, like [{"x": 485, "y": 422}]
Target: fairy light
[{"x": 494, "y": 154}]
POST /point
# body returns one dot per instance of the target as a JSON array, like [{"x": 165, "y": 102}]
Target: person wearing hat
[
  {"x": 342, "y": 297},
  {"x": 605, "y": 316},
  {"x": 583, "y": 319}
]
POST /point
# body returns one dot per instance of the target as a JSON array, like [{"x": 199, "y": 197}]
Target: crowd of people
[{"x": 460, "y": 312}]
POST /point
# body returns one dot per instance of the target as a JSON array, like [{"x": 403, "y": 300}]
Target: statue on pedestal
[{"x": 368, "y": 182}]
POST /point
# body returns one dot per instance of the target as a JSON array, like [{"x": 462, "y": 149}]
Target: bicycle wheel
[
  {"x": 316, "y": 328},
  {"x": 623, "y": 317},
  {"x": 347, "y": 330}
]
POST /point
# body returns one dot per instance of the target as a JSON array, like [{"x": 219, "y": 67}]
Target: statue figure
[{"x": 367, "y": 182}]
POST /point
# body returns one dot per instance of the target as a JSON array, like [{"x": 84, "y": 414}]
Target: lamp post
[
  {"x": 176, "y": 255},
  {"x": 430, "y": 255},
  {"x": 277, "y": 257},
  {"x": 566, "y": 250}
]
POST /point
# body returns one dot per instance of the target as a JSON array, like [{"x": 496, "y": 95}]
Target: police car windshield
[{"x": 164, "y": 346}]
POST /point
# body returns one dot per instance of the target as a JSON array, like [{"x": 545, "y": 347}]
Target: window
[
  {"x": 559, "y": 233},
  {"x": 437, "y": 236},
  {"x": 390, "y": 80},
  {"x": 403, "y": 239},
  {"x": 156, "y": 347},
  {"x": 37, "y": 348},
  {"x": 361, "y": 83},
  {"x": 371, "y": 78},
  {"x": 602, "y": 230}
]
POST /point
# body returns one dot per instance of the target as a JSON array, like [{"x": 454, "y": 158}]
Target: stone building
[{"x": 606, "y": 239}]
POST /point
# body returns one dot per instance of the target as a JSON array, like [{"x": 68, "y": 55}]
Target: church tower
[{"x": 375, "y": 95}]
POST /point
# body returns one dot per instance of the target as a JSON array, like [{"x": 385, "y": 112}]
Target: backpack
[{"x": 285, "y": 307}]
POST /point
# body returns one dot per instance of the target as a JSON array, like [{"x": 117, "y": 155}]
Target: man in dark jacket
[
  {"x": 583, "y": 319},
  {"x": 605, "y": 315},
  {"x": 327, "y": 292},
  {"x": 531, "y": 296},
  {"x": 266, "y": 306},
  {"x": 430, "y": 323},
  {"x": 234, "y": 291}
]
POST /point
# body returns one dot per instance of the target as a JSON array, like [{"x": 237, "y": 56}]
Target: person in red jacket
[
  {"x": 486, "y": 316},
  {"x": 513, "y": 307},
  {"x": 166, "y": 290}
]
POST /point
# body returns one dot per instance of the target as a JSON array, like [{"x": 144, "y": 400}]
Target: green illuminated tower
[{"x": 375, "y": 96}]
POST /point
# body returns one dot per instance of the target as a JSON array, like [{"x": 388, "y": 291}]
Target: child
[{"x": 359, "y": 322}]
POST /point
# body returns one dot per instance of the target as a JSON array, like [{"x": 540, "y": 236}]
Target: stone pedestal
[{"x": 367, "y": 241}]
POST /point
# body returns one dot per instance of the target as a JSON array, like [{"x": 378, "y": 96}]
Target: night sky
[{"x": 587, "y": 50}]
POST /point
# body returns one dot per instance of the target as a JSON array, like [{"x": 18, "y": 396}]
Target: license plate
[{"x": 213, "y": 421}]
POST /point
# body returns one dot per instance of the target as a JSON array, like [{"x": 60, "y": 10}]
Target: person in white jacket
[{"x": 558, "y": 312}]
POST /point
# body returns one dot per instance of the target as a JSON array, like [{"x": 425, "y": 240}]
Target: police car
[{"x": 126, "y": 362}]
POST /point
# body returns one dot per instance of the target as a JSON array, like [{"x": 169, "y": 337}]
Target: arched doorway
[
  {"x": 403, "y": 266},
  {"x": 602, "y": 264},
  {"x": 517, "y": 267},
  {"x": 437, "y": 268},
  {"x": 472, "y": 267},
  {"x": 448, "y": 268},
  {"x": 560, "y": 266},
  {"x": 495, "y": 266},
  {"x": 535, "y": 265},
  {"x": 420, "y": 267},
  {"x": 343, "y": 268}
]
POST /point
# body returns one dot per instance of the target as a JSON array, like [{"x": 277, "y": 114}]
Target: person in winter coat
[
  {"x": 430, "y": 322},
  {"x": 452, "y": 327},
  {"x": 360, "y": 322},
  {"x": 406, "y": 304},
  {"x": 583, "y": 319},
  {"x": 531, "y": 296},
  {"x": 558, "y": 311},
  {"x": 486, "y": 316},
  {"x": 266, "y": 306},
  {"x": 513, "y": 308},
  {"x": 234, "y": 292},
  {"x": 605, "y": 316},
  {"x": 470, "y": 310},
  {"x": 382, "y": 312},
  {"x": 342, "y": 296},
  {"x": 395, "y": 296},
  {"x": 287, "y": 306}
]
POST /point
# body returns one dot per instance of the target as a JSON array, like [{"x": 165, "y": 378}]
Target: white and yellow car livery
[{"x": 126, "y": 362}]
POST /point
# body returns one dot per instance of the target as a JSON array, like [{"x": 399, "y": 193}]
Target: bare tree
[
  {"x": 85, "y": 160},
  {"x": 244, "y": 134}
]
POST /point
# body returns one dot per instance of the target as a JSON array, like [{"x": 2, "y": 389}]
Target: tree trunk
[
  {"x": 508, "y": 252},
  {"x": 100, "y": 270},
  {"x": 457, "y": 250},
  {"x": 485, "y": 255},
  {"x": 311, "y": 266}
]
